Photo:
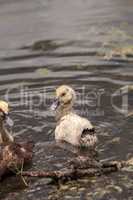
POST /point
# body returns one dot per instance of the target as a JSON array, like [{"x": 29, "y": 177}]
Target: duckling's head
[
  {"x": 4, "y": 112},
  {"x": 65, "y": 98}
]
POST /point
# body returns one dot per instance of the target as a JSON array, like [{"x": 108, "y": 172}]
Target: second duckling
[{"x": 71, "y": 127}]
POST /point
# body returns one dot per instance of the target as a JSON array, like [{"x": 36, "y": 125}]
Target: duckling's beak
[
  {"x": 55, "y": 104},
  {"x": 8, "y": 120}
]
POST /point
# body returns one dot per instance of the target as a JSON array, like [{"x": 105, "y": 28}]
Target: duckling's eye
[{"x": 63, "y": 94}]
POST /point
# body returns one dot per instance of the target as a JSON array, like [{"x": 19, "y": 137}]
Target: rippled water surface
[{"x": 89, "y": 45}]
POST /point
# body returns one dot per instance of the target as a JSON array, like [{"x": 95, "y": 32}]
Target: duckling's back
[{"x": 71, "y": 129}]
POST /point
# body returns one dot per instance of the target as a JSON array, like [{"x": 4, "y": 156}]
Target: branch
[{"x": 71, "y": 174}]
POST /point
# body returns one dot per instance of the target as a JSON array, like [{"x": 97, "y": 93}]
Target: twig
[{"x": 70, "y": 174}]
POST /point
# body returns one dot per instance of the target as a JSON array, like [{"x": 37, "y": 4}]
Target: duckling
[
  {"x": 13, "y": 153},
  {"x": 5, "y": 136},
  {"x": 71, "y": 128}
]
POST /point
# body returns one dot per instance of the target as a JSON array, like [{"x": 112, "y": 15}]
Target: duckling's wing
[{"x": 88, "y": 138}]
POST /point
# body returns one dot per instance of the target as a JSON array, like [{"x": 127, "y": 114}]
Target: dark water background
[{"x": 47, "y": 43}]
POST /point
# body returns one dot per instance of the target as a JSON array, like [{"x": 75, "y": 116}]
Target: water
[{"x": 88, "y": 45}]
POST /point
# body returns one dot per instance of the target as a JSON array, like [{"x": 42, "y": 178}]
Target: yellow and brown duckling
[
  {"x": 13, "y": 154},
  {"x": 5, "y": 136}
]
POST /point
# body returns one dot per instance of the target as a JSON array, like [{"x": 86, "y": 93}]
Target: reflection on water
[{"x": 87, "y": 44}]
